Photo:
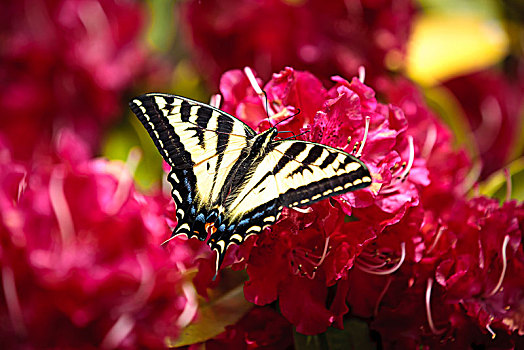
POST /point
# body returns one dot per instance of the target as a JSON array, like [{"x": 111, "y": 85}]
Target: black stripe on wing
[
  {"x": 318, "y": 187},
  {"x": 161, "y": 131}
]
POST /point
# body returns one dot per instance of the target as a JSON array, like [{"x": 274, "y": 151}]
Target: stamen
[
  {"x": 363, "y": 142},
  {"x": 361, "y": 74},
  {"x": 504, "y": 266},
  {"x": 190, "y": 308},
  {"x": 381, "y": 295},
  {"x": 167, "y": 240},
  {"x": 508, "y": 184},
  {"x": 215, "y": 100},
  {"x": 60, "y": 206},
  {"x": 435, "y": 241},
  {"x": 429, "y": 143},
  {"x": 305, "y": 210},
  {"x": 390, "y": 270},
  {"x": 120, "y": 330},
  {"x": 472, "y": 176},
  {"x": 13, "y": 303},
  {"x": 147, "y": 282},
  {"x": 307, "y": 257},
  {"x": 371, "y": 266},
  {"x": 125, "y": 181},
  {"x": 428, "y": 309},
  {"x": 493, "y": 335},
  {"x": 258, "y": 90},
  {"x": 324, "y": 252},
  {"x": 22, "y": 186},
  {"x": 411, "y": 157}
]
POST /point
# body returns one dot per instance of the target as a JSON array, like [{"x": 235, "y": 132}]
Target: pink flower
[
  {"x": 425, "y": 260},
  {"x": 66, "y": 63},
  {"x": 81, "y": 263},
  {"x": 493, "y": 104},
  {"x": 447, "y": 168},
  {"x": 324, "y": 38},
  {"x": 311, "y": 252}
]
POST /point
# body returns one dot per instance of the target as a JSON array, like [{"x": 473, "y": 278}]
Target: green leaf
[
  {"x": 354, "y": 336},
  {"x": 445, "y": 104},
  {"x": 162, "y": 25},
  {"x": 496, "y": 185},
  {"x": 517, "y": 148},
  {"x": 221, "y": 311},
  {"x": 487, "y": 8},
  {"x": 309, "y": 342}
]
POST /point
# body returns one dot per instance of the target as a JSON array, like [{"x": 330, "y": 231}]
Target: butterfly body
[{"x": 228, "y": 182}]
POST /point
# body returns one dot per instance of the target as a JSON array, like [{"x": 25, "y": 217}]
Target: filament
[
  {"x": 60, "y": 207},
  {"x": 303, "y": 210},
  {"x": 361, "y": 74},
  {"x": 359, "y": 153},
  {"x": 437, "y": 237},
  {"x": 381, "y": 295},
  {"x": 307, "y": 257},
  {"x": 374, "y": 269},
  {"x": 215, "y": 100},
  {"x": 504, "y": 266},
  {"x": 258, "y": 90},
  {"x": 493, "y": 335},
  {"x": 190, "y": 307},
  {"x": 13, "y": 303},
  {"x": 120, "y": 330},
  {"x": 428, "y": 309},
  {"x": 429, "y": 143},
  {"x": 125, "y": 182},
  {"x": 411, "y": 157}
]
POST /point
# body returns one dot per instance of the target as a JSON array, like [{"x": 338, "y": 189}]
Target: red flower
[
  {"x": 66, "y": 63},
  {"x": 325, "y": 38},
  {"x": 447, "y": 168},
  {"x": 310, "y": 252},
  {"x": 457, "y": 289},
  {"x": 493, "y": 106},
  {"x": 80, "y": 257}
]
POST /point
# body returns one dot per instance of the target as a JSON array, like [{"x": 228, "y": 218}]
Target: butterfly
[{"x": 229, "y": 182}]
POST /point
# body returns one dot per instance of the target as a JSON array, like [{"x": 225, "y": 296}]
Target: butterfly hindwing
[
  {"x": 292, "y": 174},
  {"x": 309, "y": 172}
]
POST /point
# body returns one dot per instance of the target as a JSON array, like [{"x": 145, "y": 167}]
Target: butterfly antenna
[
  {"x": 266, "y": 100},
  {"x": 295, "y": 136},
  {"x": 288, "y": 117}
]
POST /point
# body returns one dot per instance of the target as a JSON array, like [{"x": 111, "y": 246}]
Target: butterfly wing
[
  {"x": 292, "y": 174},
  {"x": 201, "y": 143}
]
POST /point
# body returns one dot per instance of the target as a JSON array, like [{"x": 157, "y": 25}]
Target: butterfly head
[{"x": 262, "y": 141}]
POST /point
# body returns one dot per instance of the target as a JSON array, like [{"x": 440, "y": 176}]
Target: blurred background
[{"x": 75, "y": 64}]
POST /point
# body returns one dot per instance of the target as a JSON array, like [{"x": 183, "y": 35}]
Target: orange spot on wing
[{"x": 210, "y": 227}]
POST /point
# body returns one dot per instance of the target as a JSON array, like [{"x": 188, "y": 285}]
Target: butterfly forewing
[{"x": 197, "y": 140}]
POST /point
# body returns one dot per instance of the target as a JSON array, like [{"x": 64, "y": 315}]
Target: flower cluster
[
  {"x": 492, "y": 105},
  {"x": 66, "y": 63},
  {"x": 80, "y": 257},
  {"x": 319, "y": 36},
  {"x": 410, "y": 252}
]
